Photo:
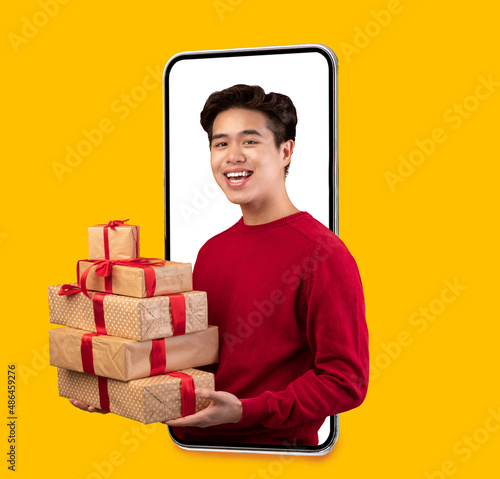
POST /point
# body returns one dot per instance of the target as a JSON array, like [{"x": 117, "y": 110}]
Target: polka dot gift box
[
  {"x": 133, "y": 326},
  {"x": 126, "y": 317},
  {"x": 154, "y": 399}
]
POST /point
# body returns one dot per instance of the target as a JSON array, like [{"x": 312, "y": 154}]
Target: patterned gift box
[
  {"x": 128, "y": 280},
  {"x": 126, "y": 359},
  {"x": 127, "y": 317},
  {"x": 118, "y": 240},
  {"x": 148, "y": 400}
]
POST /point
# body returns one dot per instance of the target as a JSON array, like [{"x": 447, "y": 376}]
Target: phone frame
[{"x": 333, "y": 223}]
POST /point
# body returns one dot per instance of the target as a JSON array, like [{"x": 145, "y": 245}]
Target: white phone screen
[{"x": 195, "y": 207}]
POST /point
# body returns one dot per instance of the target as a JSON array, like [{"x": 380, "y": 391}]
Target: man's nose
[{"x": 235, "y": 154}]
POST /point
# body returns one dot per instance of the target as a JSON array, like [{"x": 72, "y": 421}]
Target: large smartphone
[{"x": 196, "y": 209}]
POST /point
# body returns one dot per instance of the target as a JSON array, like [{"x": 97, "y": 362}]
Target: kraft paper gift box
[
  {"x": 154, "y": 399},
  {"x": 126, "y": 359},
  {"x": 140, "y": 281},
  {"x": 127, "y": 317},
  {"x": 114, "y": 241}
]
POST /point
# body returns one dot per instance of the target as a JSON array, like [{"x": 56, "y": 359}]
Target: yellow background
[{"x": 438, "y": 225}]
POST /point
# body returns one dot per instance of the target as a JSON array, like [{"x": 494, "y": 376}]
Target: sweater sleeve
[{"x": 338, "y": 337}]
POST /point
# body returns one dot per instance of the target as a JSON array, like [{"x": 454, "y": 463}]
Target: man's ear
[{"x": 287, "y": 151}]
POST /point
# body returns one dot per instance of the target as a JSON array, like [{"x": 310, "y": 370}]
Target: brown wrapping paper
[
  {"x": 171, "y": 278},
  {"x": 126, "y": 359},
  {"x": 122, "y": 242},
  {"x": 154, "y": 399},
  {"x": 132, "y": 318}
]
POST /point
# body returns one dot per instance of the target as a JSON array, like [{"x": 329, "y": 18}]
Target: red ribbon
[
  {"x": 188, "y": 397},
  {"x": 178, "y": 313},
  {"x": 87, "y": 352},
  {"x": 67, "y": 289},
  {"x": 103, "y": 393},
  {"x": 113, "y": 224},
  {"x": 177, "y": 308},
  {"x": 98, "y": 304},
  {"x": 88, "y": 367},
  {"x": 158, "y": 358},
  {"x": 106, "y": 242},
  {"x": 104, "y": 269}
]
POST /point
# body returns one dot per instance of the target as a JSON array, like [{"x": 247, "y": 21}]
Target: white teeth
[{"x": 239, "y": 173}]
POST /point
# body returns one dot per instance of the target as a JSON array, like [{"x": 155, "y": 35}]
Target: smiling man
[
  {"x": 283, "y": 289},
  {"x": 255, "y": 183}
]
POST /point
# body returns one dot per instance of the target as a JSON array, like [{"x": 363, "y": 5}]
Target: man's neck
[{"x": 266, "y": 215}]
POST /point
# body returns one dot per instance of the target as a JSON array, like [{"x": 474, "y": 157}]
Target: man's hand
[
  {"x": 85, "y": 407},
  {"x": 224, "y": 408}
]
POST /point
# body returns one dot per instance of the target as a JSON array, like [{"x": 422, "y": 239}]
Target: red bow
[
  {"x": 67, "y": 289},
  {"x": 114, "y": 223},
  {"x": 105, "y": 267}
]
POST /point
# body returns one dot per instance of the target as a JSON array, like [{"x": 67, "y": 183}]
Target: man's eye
[
  {"x": 221, "y": 143},
  {"x": 250, "y": 142}
]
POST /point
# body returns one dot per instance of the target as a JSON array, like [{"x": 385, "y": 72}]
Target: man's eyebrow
[
  {"x": 251, "y": 132},
  {"x": 244, "y": 132},
  {"x": 219, "y": 135}
]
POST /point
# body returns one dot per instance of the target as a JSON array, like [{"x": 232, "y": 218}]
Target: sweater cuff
[{"x": 254, "y": 411}]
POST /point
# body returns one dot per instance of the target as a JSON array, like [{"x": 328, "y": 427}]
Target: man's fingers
[
  {"x": 206, "y": 393},
  {"x": 179, "y": 422},
  {"x": 198, "y": 419},
  {"x": 224, "y": 408},
  {"x": 192, "y": 420},
  {"x": 78, "y": 404},
  {"x": 85, "y": 407},
  {"x": 94, "y": 409}
]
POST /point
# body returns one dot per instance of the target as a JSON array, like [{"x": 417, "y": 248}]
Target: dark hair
[{"x": 277, "y": 107}]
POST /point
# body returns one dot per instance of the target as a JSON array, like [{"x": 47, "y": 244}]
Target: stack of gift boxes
[{"x": 134, "y": 331}]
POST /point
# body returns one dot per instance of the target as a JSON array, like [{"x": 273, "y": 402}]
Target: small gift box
[
  {"x": 113, "y": 241},
  {"x": 154, "y": 399},
  {"x": 126, "y": 359},
  {"x": 139, "y": 277},
  {"x": 127, "y": 317}
]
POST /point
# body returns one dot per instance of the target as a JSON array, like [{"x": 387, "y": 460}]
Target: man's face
[{"x": 245, "y": 161}]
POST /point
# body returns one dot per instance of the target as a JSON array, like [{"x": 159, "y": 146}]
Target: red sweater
[{"x": 288, "y": 301}]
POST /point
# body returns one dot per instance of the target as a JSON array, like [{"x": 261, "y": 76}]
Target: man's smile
[{"x": 237, "y": 176}]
